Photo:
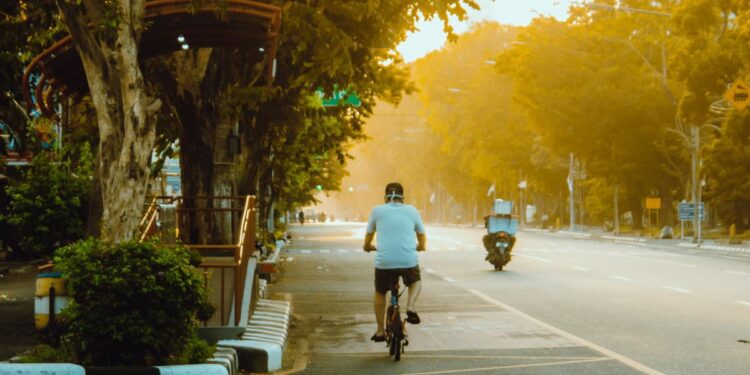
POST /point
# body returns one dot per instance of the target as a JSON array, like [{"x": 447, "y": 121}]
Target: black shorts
[{"x": 385, "y": 279}]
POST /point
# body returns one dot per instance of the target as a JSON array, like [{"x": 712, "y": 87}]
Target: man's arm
[
  {"x": 421, "y": 242},
  {"x": 368, "y": 242}
]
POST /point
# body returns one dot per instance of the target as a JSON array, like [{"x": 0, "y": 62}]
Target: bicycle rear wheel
[{"x": 397, "y": 334}]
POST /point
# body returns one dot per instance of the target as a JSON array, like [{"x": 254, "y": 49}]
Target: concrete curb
[
  {"x": 714, "y": 247},
  {"x": 71, "y": 369},
  {"x": 261, "y": 347},
  {"x": 704, "y": 246},
  {"x": 41, "y": 368},
  {"x": 623, "y": 238}
]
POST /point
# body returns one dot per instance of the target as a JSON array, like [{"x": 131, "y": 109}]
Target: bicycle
[{"x": 395, "y": 327}]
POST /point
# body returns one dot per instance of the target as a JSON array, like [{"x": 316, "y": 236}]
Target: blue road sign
[{"x": 686, "y": 211}]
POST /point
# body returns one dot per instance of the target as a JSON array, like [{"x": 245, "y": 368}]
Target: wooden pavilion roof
[{"x": 245, "y": 24}]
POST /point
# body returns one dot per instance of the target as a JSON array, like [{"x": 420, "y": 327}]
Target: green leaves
[
  {"x": 48, "y": 207},
  {"x": 133, "y": 304}
]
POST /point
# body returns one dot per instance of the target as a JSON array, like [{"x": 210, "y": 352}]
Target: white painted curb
[
  {"x": 246, "y": 349},
  {"x": 203, "y": 369},
  {"x": 41, "y": 368}
]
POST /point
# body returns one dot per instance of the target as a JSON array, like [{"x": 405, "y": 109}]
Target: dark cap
[{"x": 394, "y": 190}]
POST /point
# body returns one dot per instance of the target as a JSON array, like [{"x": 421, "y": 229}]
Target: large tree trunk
[
  {"x": 126, "y": 129},
  {"x": 179, "y": 79}
]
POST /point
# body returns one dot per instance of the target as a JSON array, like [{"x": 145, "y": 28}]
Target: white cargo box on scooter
[
  {"x": 501, "y": 220},
  {"x": 503, "y": 207}
]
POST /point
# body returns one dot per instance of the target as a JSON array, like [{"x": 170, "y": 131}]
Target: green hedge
[
  {"x": 48, "y": 207},
  {"x": 132, "y": 304}
]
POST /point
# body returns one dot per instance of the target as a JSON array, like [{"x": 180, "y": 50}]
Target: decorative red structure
[{"x": 237, "y": 23}]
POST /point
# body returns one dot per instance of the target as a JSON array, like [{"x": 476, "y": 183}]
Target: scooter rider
[{"x": 396, "y": 224}]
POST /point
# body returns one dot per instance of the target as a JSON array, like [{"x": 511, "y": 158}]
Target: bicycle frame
[{"x": 395, "y": 329}]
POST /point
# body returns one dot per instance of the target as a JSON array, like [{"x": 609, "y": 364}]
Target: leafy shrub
[
  {"x": 132, "y": 304},
  {"x": 48, "y": 208}
]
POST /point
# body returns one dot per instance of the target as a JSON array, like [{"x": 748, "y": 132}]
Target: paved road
[{"x": 563, "y": 306}]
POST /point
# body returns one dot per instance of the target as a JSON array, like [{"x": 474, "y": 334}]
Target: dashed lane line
[
  {"x": 622, "y": 278},
  {"x": 343, "y": 250},
  {"x": 448, "y": 279},
  {"x": 495, "y": 368},
  {"x": 535, "y": 258},
  {"x": 655, "y": 260},
  {"x": 676, "y": 289},
  {"x": 744, "y": 303},
  {"x": 738, "y": 273},
  {"x": 607, "y": 352},
  {"x": 305, "y": 251},
  {"x": 325, "y": 251},
  {"x": 580, "y": 269}
]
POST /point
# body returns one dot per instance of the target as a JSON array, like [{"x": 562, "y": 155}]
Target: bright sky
[{"x": 512, "y": 12}]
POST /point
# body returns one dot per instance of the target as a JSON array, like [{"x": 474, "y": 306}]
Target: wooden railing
[{"x": 242, "y": 246}]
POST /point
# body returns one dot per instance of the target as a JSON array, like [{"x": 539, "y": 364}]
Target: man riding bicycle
[{"x": 396, "y": 224}]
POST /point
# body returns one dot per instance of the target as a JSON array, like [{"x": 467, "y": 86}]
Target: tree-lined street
[{"x": 562, "y": 305}]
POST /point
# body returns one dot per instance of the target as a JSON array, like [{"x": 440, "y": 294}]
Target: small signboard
[
  {"x": 686, "y": 211},
  {"x": 738, "y": 95},
  {"x": 653, "y": 203}
]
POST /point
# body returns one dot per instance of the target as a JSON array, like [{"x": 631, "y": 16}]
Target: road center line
[
  {"x": 676, "y": 289},
  {"x": 609, "y": 353},
  {"x": 744, "y": 303},
  {"x": 305, "y": 251},
  {"x": 618, "y": 277},
  {"x": 535, "y": 258},
  {"x": 343, "y": 250},
  {"x": 738, "y": 273},
  {"x": 580, "y": 269},
  {"x": 448, "y": 279},
  {"x": 325, "y": 251}
]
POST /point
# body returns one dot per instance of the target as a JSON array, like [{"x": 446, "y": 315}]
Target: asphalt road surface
[{"x": 562, "y": 306}]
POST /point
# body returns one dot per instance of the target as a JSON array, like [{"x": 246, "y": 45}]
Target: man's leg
[
  {"x": 379, "y": 303},
  {"x": 414, "y": 289}
]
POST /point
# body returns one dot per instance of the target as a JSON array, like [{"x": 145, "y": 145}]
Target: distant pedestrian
[{"x": 301, "y": 217}]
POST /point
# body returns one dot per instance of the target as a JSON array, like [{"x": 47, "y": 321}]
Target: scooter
[
  {"x": 501, "y": 234},
  {"x": 499, "y": 248}
]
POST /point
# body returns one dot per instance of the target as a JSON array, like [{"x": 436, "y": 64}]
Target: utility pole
[
  {"x": 695, "y": 133},
  {"x": 617, "y": 210},
  {"x": 571, "y": 188}
]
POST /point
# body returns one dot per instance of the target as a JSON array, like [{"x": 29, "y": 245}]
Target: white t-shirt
[{"x": 396, "y": 225}]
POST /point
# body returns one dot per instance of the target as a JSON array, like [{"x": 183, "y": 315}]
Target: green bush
[
  {"x": 48, "y": 208},
  {"x": 132, "y": 304}
]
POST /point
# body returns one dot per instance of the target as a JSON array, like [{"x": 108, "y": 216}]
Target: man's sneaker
[
  {"x": 412, "y": 317},
  {"x": 377, "y": 338}
]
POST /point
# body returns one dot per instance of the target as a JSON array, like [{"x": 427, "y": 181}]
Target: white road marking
[
  {"x": 289, "y": 259},
  {"x": 609, "y": 353},
  {"x": 325, "y": 251},
  {"x": 571, "y": 247},
  {"x": 305, "y": 251},
  {"x": 676, "y": 289},
  {"x": 618, "y": 277},
  {"x": 343, "y": 250},
  {"x": 448, "y": 279},
  {"x": 580, "y": 269},
  {"x": 738, "y": 273},
  {"x": 745, "y": 303},
  {"x": 656, "y": 260},
  {"x": 535, "y": 258},
  {"x": 429, "y": 270}
]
